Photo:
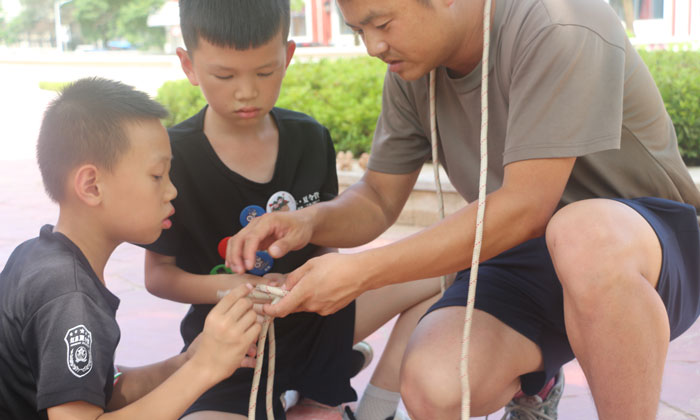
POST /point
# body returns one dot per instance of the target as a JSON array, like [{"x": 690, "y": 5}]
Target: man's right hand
[
  {"x": 229, "y": 331},
  {"x": 278, "y": 233}
]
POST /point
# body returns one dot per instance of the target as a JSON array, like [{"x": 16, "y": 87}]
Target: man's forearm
[
  {"x": 447, "y": 246},
  {"x": 362, "y": 212}
]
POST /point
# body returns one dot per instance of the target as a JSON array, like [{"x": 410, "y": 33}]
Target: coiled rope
[{"x": 481, "y": 204}]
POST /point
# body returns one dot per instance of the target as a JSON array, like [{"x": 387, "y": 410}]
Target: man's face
[
  {"x": 138, "y": 190},
  {"x": 241, "y": 86},
  {"x": 405, "y": 34}
]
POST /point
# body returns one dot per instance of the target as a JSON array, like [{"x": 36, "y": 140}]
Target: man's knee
[
  {"x": 594, "y": 246},
  {"x": 431, "y": 389},
  {"x": 426, "y": 390}
]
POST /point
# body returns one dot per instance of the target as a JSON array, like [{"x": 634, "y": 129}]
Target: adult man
[{"x": 575, "y": 263}]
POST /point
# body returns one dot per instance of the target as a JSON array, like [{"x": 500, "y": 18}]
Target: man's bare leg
[
  {"x": 498, "y": 356},
  {"x": 608, "y": 260}
]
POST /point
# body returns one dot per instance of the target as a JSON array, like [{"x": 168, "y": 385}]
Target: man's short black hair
[
  {"x": 84, "y": 124},
  {"x": 239, "y": 24}
]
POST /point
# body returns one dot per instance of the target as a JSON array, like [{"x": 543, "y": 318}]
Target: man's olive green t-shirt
[{"x": 564, "y": 81}]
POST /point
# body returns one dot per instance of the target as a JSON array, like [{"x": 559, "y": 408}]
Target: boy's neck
[
  {"x": 88, "y": 237},
  {"x": 250, "y": 151},
  {"x": 216, "y": 127}
]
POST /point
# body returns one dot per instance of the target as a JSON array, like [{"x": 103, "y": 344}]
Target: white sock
[{"x": 377, "y": 404}]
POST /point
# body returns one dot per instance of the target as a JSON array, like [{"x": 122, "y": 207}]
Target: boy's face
[
  {"x": 137, "y": 193},
  {"x": 241, "y": 86},
  {"x": 411, "y": 37}
]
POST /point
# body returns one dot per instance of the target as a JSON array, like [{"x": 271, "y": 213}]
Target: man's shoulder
[{"x": 537, "y": 16}]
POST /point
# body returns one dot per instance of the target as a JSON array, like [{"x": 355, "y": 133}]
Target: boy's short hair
[
  {"x": 85, "y": 124},
  {"x": 238, "y": 24}
]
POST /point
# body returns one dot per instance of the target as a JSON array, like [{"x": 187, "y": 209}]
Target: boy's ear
[
  {"x": 86, "y": 185},
  {"x": 291, "y": 47},
  {"x": 186, "y": 64}
]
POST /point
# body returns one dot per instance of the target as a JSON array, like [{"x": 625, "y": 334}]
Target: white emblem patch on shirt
[{"x": 79, "y": 350}]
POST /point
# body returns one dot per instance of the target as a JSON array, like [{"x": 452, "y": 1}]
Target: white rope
[
  {"x": 273, "y": 294},
  {"x": 481, "y": 204},
  {"x": 436, "y": 162}
]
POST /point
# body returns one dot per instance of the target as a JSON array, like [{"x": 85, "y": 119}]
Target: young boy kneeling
[{"x": 104, "y": 158}]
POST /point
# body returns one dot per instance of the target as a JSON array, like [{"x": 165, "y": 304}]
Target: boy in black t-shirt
[
  {"x": 104, "y": 158},
  {"x": 241, "y": 157}
]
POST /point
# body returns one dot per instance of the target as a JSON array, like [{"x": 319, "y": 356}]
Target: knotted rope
[
  {"x": 272, "y": 294},
  {"x": 481, "y": 204}
]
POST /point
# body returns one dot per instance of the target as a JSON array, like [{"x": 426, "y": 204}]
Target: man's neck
[{"x": 467, "y": 53}]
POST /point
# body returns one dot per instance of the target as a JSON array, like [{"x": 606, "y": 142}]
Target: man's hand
[
  {"x": 323, "y": 285},
  {"x": 278, "y": 233},
  {"x": 229, "y": 331}
]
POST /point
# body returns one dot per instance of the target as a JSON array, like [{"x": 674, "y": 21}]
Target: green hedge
[
  {"x": 677, "y": 74},
  {"x": 345, "y": 96}
]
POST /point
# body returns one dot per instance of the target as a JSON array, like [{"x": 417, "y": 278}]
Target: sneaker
[
  {"x": 533, "y": 407},
  {"x": 289, "y": 399},
  {"x": 361, "y": 357}
]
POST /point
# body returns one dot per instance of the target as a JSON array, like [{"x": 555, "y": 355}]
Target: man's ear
[
  {"x": 86, "y": 185},
  {"x": 291, "y": 47},
  {"x": 186, "y": 64}
]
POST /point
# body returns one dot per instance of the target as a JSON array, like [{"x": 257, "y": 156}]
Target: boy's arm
[
  {"x": 185, "y": 383},
  {"x": 166, "y": 280},
  {"x": 136, "y": 382},
  {"x": 229, "y": 331}
]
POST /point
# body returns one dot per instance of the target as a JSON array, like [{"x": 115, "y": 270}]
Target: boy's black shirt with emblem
[
  {"x": 58, "y": 331},
  {"x": 211, "y": 197},
  {"x": 214, "y": 202}
]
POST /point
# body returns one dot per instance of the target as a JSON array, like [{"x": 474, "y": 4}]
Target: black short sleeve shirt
[
  {"x": 211, "y": 197},
  {"x": 58, "y": 331}
]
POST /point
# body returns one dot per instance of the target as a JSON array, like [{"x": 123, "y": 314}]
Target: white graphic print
[
  {"x": 79, "y": 354},
  {"x": 281, "y": 201}
]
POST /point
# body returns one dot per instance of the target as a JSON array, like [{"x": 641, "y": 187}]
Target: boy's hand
[
  {"x": 278, "y": 233},
  {"x": 248, "y": 360},
  {"x": 229, "y": 331}
]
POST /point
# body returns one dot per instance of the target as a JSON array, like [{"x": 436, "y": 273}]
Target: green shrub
[
  {"x": 181, "y": 99},
  {"x": 677, "y": 74},
  {"x": 344, "y": 95}
]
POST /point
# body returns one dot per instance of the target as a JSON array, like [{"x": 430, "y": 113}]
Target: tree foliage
[
  {"x": 104, "y": 20},
  {"x": 98, "y": 21}
]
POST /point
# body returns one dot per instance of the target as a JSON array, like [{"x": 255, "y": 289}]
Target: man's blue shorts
[{"x": 521, "y": 289}]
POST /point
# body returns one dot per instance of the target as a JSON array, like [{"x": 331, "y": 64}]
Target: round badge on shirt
[
  {"x": 281, "y": 201},
  {"x": 263, "y": 263},
  {"x": 249, "y": 213}
]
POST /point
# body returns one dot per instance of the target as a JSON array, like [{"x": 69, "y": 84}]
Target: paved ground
[{"x": 150, "y": 325}]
